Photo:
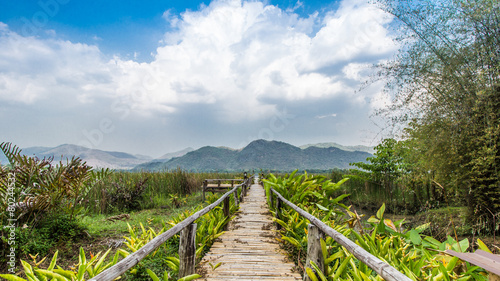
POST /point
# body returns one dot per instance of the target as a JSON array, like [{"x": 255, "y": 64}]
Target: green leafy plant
[
  {"x": 418, "y": 256},
  {"x": 85, "y": 269}
]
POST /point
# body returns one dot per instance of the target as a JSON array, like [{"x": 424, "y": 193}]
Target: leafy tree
[
  {"x": 385, "y": 167},
  {"x": 446, "y": 81}
]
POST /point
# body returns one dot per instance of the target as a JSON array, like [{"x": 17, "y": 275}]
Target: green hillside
[{"x": 261, "y": 154}]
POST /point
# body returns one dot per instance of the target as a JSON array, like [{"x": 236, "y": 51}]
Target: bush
[{"x": 49, "y": 232}]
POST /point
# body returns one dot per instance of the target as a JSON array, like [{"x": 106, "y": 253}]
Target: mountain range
[
  {"x": 259, "y": 154},
  {"x": 93, "y": 157}
]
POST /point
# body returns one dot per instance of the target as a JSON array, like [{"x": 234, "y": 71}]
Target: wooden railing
[
  {"x": 317, "y": 229},
  {"x": 187, "y": 247},
  {"x": 216, "y": 185}
]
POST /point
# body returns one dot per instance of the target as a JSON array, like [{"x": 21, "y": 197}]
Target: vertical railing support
[
  {"x": 225, "y": 207},
  {"x": 243, "y": 191},
  {"x": 314, "y": 251},
  {"x": 187, "y": 250},
  {"x": 205, "y": 184},
  {"x": 271, "y": 198},
  {"x": 278, "y": 211},
  {"x": 235, "y": 195}
]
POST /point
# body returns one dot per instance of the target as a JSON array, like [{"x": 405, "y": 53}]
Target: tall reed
[{"x": 144, "y": 190}]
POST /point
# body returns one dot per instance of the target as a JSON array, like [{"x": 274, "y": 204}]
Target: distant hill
[
  {"x": 94, "y": 157},
  {"x": 171, "y": 155},
  {"x": 261, "y": 154},
  {"x": 214, "y": 159},
  {"x": 363, "y": 148}
]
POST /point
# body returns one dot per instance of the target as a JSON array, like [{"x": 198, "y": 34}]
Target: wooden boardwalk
[{"x": 249, "y": 250}]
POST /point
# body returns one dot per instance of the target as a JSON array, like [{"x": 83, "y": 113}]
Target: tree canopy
[{"x": 445, "y": 84}]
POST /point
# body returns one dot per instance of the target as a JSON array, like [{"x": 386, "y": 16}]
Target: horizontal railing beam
[
  {"x": 383, "y": 269},
  {"x": 210, "y": 180},
  {"x": 134, "y": 258}
]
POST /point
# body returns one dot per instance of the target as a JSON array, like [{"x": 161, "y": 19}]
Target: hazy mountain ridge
[
  {"x": 94, "y": 157},
  {"x": 171, "y": 155},
  {"x": 368, "y": 149},
  {"x": 261, "y": 154}
]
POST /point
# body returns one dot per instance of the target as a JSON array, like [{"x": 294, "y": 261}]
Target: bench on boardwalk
[{"x": 220, "y": 185}]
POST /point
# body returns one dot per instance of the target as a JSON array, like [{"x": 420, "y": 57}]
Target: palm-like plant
[{"x": 40, "y": 186}]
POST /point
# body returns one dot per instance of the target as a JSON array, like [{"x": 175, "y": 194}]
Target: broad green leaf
[
  {"x": 12, "y": 277},
  {"x": 342, "y": 267},
  {"x": 311, "y": 274},
  {"x": 152, "y": 275},
  {"x": 324, "y": 250},
  {"x": 415, "y": 237},
  {"x": 66, "y": 273},
  {"x": 53, "y": 275},
  {"x": 190, "y": 277},
  {"x": 318, "y": 271},
  {"x": 483, "y": 246},
  {"x": 292, "y": 241},
  {"x": 339, "y": 198},
  {"x": 451, "y": 264},
  {"x": 81, "y": 257},
  {"x": 321, "y": 207},
  {"x": 98, "y": 265},
  {"x": 53, "y": 261},
  {"x": 373, "y": 219},
  {"x": 444, "y": 272},
  {"x": 380, "y": 212},
  {"x": 433, "y": 241},
  {"x": 423, "y": 227}
]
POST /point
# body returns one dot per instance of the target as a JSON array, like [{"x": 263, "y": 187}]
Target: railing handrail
[
  {"x": 210, "y": 180},
  {"x": 385, "y": 270},
  {"x": 134, "y": 258}
]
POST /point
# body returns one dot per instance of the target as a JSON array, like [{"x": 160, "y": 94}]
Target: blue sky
[
  {"x": 128, "y": 28},
  {"x": 158, "y": 76}
]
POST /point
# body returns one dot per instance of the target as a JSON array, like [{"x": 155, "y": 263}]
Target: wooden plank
[{"x": 249, "y": 249}]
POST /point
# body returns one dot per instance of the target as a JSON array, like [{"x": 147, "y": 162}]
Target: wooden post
[
  {"x": 271, "y": 198},
  {"x": 235, "y": 195},
  {"x": 314, "y": 251},
  {"x": 243, "y": 192},
  {"x": 225, "y": 208},
  {"x": 187, "y": 251},
  {"x": 278, "y": 212},
  {"x": 205, "y": 184}
]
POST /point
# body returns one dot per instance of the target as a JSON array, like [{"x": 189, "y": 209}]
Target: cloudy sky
[{"x": 153, "y": 77}]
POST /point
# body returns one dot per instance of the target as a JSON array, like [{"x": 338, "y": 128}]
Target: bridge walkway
[{"x": 249, "y": 249}]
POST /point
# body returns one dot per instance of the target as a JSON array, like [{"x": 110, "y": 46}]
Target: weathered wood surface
[{"x": 249, "y": 250}]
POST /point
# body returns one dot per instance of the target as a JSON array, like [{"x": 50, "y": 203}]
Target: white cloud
[
  {"x": 32, "y": 69},
  {"x": 327, "y": 115},
  {"x": 228, "y": 54}
]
